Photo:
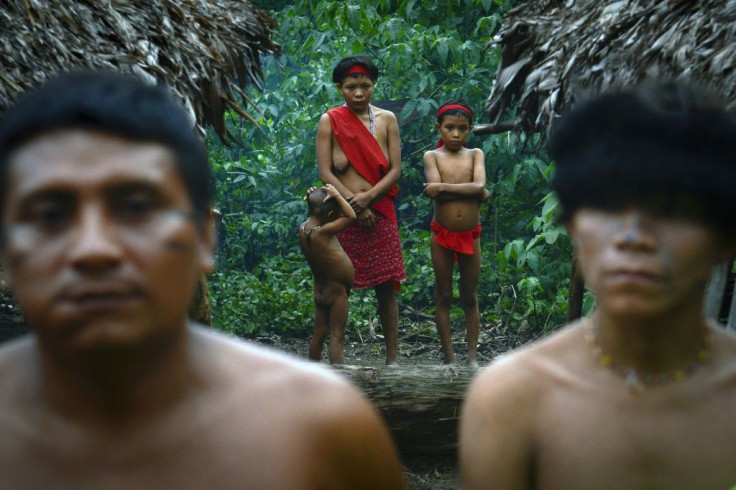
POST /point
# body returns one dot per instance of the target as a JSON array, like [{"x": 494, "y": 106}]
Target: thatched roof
[
  {"x": 205, "y": 50},
  {"x": 557, "y": 51}
]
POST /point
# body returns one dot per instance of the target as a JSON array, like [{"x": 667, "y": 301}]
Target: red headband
[
  {"x": 356, "y": 70},
  {"x": 451, "y": 107}
]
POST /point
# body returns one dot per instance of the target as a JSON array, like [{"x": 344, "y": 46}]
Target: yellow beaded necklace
[{"x": 639, "y": 381}]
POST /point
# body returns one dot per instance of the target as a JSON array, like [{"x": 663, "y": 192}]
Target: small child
[
  {"x": 329, "y": 214},
  {"x": 456, "y": 179}
]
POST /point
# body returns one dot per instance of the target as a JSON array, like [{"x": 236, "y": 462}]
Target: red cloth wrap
[
  {"x": 375, "y": 254},
  {"x": 459, "y": 241},
  {"x": 364, "y": 154}
]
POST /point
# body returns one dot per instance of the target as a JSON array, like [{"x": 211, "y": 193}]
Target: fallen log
[{"x": 421, "y": 404}]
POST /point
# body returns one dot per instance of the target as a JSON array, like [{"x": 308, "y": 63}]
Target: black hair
[
  {"x": 317, "y": 205},
  {"x": 455, "y": 112},
  {"x": 668, "y": 143},
  {"x": 338, "y": 73},
  {"x": 114, "y": 103}
]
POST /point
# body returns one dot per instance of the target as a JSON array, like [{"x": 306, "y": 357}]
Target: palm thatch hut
[
  {"x": 205, "y": 50},
  {"x": 554, "y": 52}
]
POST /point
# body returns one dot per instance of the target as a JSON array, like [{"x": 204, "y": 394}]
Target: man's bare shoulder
[
  {"x": 304, "y": 412},
  {"x": 531, "y": 369},
  {"x": 14, "y": 356},
  {"x": 261, "y": 370}
]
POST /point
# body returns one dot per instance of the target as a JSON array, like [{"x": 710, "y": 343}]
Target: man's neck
[
  {"x": 651, "y": 345},
  {"x": 121, "y": 386}
]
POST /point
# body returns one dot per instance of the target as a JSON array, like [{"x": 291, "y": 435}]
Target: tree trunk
[{"x": 421, "y": 404}]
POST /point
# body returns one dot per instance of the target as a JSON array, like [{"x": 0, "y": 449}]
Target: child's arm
[
  {"x": 348, "y": 213},
  {"x": 434, "y": 188}
]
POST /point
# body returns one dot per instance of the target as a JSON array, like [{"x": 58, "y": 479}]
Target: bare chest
[
  {"x": 637, "y": 442},
  {"x": 200, "y": 454},
  {"x": 455, "y": 169}
]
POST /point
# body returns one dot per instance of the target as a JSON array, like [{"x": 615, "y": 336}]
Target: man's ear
[
  {"x": 208, "y": 241},
  {"x": 569, "y": 225},
  {"x": 437, "y": 126}
]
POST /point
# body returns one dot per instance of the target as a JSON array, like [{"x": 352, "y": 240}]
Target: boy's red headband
[
  {"x": 451, "y": 107},
  {"x": 356, "y": 70}
]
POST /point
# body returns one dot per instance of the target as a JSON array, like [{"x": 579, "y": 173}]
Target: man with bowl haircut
[
  {"x": 642, "y": 393},
  {"x": 106, "y": 227}
]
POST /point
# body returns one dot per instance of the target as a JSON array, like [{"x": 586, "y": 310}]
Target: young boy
[
  {"x": 456, "y": 179},
  {"x": 329, "y": 213},
  {"x": 643, "y": 393},
  {"x": 359, "y": 152}
]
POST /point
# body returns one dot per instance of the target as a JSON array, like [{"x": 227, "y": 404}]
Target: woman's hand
[{"x": 360, "y": 202}]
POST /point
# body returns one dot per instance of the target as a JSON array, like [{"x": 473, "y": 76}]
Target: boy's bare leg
[
  {"x": 443, "y": 261},
  {"x": 469, "y": 272},
  {"x": 388, "y": 311},
  {"x": 320, "y": 332},
  {"x": 338, "y": 321}
]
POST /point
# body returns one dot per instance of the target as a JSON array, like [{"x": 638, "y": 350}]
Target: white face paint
[{"x": 100, "y": 245}]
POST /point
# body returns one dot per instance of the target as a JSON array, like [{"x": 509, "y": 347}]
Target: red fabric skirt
[
  {"x": 375, "y": 254},
  {"x": 459, "y": 241}
]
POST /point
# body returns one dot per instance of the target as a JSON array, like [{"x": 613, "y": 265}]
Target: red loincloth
[
  {"x": 364, "y": 154},
  {"x": 459, "y": 241},
  {"x": 375, "y": 254}
]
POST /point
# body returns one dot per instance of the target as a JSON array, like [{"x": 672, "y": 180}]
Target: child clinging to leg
[
  {"x": 329, "y": 213},
  {"x": 455, "y": 180}
]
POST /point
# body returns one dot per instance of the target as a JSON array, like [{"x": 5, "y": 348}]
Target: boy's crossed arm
[{"x": 435, "y": 188}]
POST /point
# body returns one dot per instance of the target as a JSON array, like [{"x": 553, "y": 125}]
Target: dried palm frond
[
  {"x": 557, "y": 51},
  {"x": 205, "y": 50}
]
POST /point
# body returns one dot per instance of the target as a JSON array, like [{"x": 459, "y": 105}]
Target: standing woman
[{"x": 359, "y": 152}]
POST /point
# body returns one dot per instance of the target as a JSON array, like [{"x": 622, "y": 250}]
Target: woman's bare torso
[{"x": 341, "y": 166}]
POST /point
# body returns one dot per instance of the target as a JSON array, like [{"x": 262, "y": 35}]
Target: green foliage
[
  {"x": 274, "y": 297},
  {"x": 427, "y": 53}
]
